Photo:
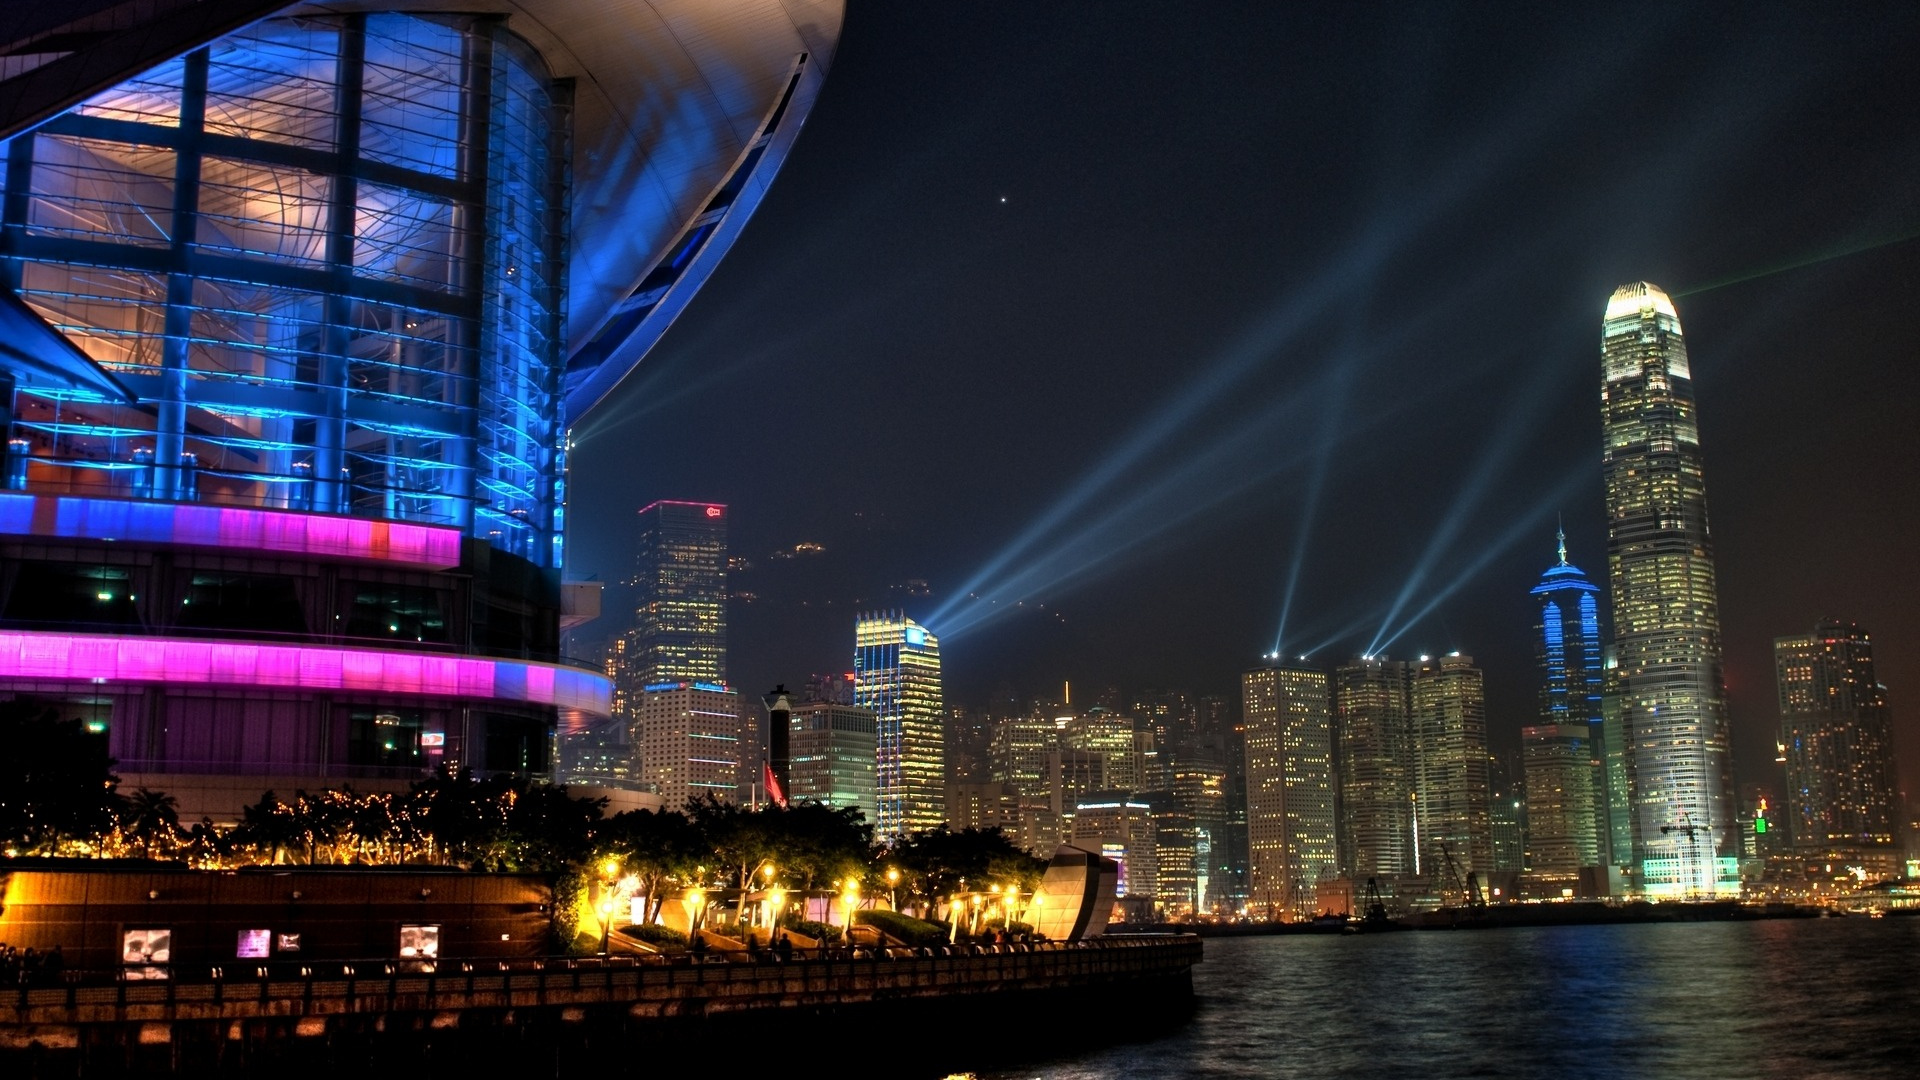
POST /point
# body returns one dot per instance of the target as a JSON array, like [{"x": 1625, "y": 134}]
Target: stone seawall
[{"x": 541, "y": 1015}]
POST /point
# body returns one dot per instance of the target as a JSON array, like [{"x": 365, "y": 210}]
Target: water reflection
[{"x": 1786, "y": 998}]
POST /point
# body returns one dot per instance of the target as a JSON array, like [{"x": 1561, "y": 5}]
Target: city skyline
[{"x": 970, "y": 440}]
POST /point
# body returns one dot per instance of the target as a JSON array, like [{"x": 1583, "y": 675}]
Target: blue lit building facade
[
  {"x": 1565, "y": 786},
  {"x": 297, "y": 316}
]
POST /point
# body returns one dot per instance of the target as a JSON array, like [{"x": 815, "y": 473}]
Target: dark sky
[{"x": 1132, "y": 313}]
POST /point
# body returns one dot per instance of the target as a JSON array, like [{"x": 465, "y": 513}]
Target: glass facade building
[
  {"x": 325, "y": 255},
  {"x": 1452, "y": 778},
  {"x": 322, "y": 298},
  {"x": 832, "y": 751},
  {"x": 1374, "y": 761},
  {"x": 896, "y": 675},
  {"x": 1288, "y": 718},
  {"x": 680, "y": 616},
  {"x": 1666, "y": 615},
  {"x": 1842, "y": 798},
  {"x": 1565, "y": 784}
]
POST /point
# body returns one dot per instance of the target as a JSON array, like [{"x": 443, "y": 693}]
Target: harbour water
[{"x": 1799, "y": 998}]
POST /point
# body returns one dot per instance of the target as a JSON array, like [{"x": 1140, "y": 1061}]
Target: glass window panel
[
  {"x": 114, "y": 192},
  {"x": 256, "y": 210},
  {"x": 410, "y": 115},
  {"x": 407, "y": 237},
  {"x": 275, "y": 82},
  {"x": 151, "y": 98},
  {"x": 117, "y": 317}
]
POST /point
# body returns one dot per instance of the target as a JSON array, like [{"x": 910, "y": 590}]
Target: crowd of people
[{"x": 31, "y": 967}]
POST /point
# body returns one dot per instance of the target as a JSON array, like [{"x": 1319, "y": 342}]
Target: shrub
[
  {"x": 814, "y": 929},
  {"x": 654, "y": 934},
  {"x": 904, "y": 927}
]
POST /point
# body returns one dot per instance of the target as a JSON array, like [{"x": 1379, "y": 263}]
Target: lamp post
[
  {"x": 609, "y": 878},
  {"x": 850, "y": 897},
  {"x": 893, "y": 889}
]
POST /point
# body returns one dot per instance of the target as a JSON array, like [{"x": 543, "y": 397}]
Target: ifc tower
[{"x": 1666, "y": 615}]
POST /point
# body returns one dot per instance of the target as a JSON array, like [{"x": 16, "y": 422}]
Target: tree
[
  {"x": 658, "y": 848},
  {"x": 939, "y": 862},
  {"x": 56, "y": 781},
  {"x": 151, "y": 819}
]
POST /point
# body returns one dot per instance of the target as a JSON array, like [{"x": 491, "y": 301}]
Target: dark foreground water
[{"x": 1796, "y": 998}]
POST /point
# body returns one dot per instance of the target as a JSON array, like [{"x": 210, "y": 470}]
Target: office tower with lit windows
[
  {"x": 1842, "y": 798},
  {"x": 896, "y": 674},
  {"x": 1374, "y": 765},
  {"x": 1452, "y": 782},
  {"x": 831, "y": 750},
  {"x": 1111, "y": 736},
  {"x": 1018, "y": 749},
  {"x": 1288, "y": 720},
  {"x": 1120, "y": 828},
  {"x": 679, "y": 631},
  {"x": 1666, "y": 615},
  {"x": 300, "y": 303},
  {"x": 1189, "y": 820},
  {"x": 687, "y": 736},
  {"x": 1561, "y": 755}
]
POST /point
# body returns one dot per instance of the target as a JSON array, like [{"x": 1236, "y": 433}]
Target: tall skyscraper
[
  {"x": 1018, "y": 749},
  {"x": 1374, "y": 761},
  {"x": 679, "y": 629},
  {"x": 687, "y": 736},
  {"x": 1666, "y": 617},
  {"x": 832, "y": 751},
  {"x": 1288, "y": 718},
  {"x": 1842, "y": 798},
  {"x": 1565, "y": 787},
  {"x": 896, "y": 674},
  {"x": 1453, "y": 815}
]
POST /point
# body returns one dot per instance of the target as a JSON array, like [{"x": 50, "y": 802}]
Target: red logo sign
[{"x": 713, "y": 511}]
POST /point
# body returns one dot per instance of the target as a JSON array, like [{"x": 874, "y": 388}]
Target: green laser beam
[{"x": 1811, "y": 260}]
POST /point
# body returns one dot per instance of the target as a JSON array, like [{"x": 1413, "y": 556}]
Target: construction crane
[
  {"x": 1693, "y": 851},
  {"x": 1470, "y": 887}
]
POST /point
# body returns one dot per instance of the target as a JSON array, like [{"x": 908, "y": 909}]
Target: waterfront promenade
[{"x": 234, "y": 1018}]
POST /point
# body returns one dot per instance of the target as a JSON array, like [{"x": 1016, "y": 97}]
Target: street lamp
[
  {"x": 850, "y": 897},
  {"x": 893, "y": 889}
]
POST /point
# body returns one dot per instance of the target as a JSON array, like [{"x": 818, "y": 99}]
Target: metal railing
[{"x": 384, "y": 979}]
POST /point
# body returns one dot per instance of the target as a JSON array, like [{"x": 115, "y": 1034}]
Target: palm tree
[{"x": 152, "y": 820}]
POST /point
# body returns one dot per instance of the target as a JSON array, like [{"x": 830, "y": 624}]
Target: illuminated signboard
[
  {"x": 254, "y": 944},
  {"x": 75, "y": 517},
  {"x": 714, "y": 511},
  {"x": 419, "y": 941},
  {"x": 433, "y": 738},
  {"x": 178, "y": 661}
]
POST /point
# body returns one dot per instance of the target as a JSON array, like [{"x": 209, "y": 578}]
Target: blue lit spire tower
[
  {"x": 1666, "y": 615},
  {"x": 300, "y": 307},
  {"x": 896, "y": 674},
  {"x": 1564, "y": 793}
]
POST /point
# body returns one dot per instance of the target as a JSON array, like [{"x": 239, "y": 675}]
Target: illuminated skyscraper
[
  {"x": 832, "y": 753},
  {"x": 679, "y": 629},
  {"x": 1666, "y": 617},
  {"x": 1834, "y": 725},
  {"x": 896, "y": 674},
  {"x": 1374, "y": 760},
  {"x": 1565, "y": 789},
  {"x": 1454, "y": 815},
  {"x": 687, "y": 736},
  {"x": 1290, "y": 800}
]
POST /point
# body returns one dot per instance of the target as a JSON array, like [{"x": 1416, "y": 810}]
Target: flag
[{"x": 775, "y": 793}]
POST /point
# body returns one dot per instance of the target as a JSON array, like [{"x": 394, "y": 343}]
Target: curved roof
[{"x": 683, "y": 111}]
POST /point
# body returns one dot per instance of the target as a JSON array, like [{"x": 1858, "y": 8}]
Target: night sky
[{"x": 1124, "y": 316}]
